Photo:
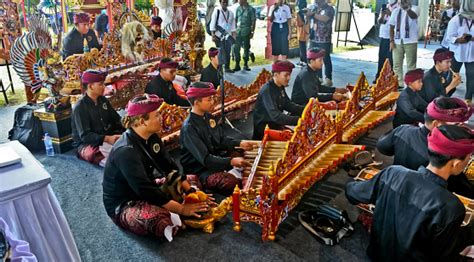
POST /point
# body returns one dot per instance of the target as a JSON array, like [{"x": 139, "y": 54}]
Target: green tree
[{"x": 143, "y": 5}]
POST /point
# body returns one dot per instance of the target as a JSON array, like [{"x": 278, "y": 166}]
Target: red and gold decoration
[
  {"x": 10, "y": 28},
  {"x": 207, "y": 220},
  {"x": 239, "y": 101},
  {"x": 284, "y": 169},
  {"x": 360, "y": 114}
]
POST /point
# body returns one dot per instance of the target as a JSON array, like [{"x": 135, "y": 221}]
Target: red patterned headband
[
  {"x": 81, "y": 18},
  {"x": 198, "y": 92},
  {"x": 460, "y": 114},
  {"x": 282, "y": 66},
  {"x": 315, "y": 55},
  {"x": 413, "y": 75},
  {"x": 147, "y": 105},
  {"x": 440, "y": 144},
  {"x": 92, "y": 76},
  {"x": 169, "y": 64},
  {"x": 443, "y": 55}
]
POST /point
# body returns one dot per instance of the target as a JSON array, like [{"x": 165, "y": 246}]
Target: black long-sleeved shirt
[
  {"x": 210, "y": 74},
  {"x": 91, "y": 122},
  {"x": 165, "y": 90},
  {"x": 129, "y": 173},
  {"x": 271, "y": 101},
  {"x": 74, "y": 42},
  {"x": 156, "y": 35},
  {"x": 409, "y": 145},
  {"x": 410, "y": 109},
  {"x": 204, "y": 149},
  {"x": 415, "y": 218},
  {"x": 433, "y": 85},
  {"x": 307, "y": 85}
]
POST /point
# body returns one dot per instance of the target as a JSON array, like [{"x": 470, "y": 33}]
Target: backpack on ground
[
  {"x": 327, "y": 223},
  {"x": 27, "y": 128}
]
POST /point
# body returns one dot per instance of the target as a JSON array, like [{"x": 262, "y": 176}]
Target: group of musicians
[
  {"x": 416, "y": 216},
  {"x": 136, "y": 196}
]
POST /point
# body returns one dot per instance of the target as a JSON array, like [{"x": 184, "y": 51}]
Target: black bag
[
  {"x": 27, "y": 128},
  {"x": 208, "y": 23},
  {"x": 327, "y": 223}
]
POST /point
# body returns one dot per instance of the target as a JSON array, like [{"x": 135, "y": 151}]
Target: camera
[{"x": 224, "y": 34}]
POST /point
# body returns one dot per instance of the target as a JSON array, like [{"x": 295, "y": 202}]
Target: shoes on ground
[
  {"x": 252, "y": 57},
  {"x": 237, "y": 68}
]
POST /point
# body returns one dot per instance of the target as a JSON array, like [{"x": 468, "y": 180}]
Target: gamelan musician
[
  {"x": 307, "y": 83},
  {"x": 94, "y": 120},
  {"x": 205, "y": 150},
  {"x": 210, "y": 73},
  {"x": 81, "y": 37},
  {"x": 155, "y": 26},
  {"x": 435, "y": 82},
  {"x": 409, "y": 144},
  {"x": 140, "y": 187},
  {"x": 416, "y": 217},
  {"x": 162, "y": 85},
  {"x": 410, "y": 105},
  {"x": 272, "y": 100}
]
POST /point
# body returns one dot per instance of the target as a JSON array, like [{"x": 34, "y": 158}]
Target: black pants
[
  {"x": 303, "y": 51},
  {"x": 224, "y": 52},
  {"x": 327, "y": 59},
  {"x": 242, "y": 41},
  {"x": 384, "y": 53},
  {"x": 456, "y": 66}
]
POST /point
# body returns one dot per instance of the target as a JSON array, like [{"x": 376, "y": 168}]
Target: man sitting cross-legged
[
  {"x": 142, "y": 187},
  {"x": 94, "y": 121},
  {"x": 205, "y": 149}
]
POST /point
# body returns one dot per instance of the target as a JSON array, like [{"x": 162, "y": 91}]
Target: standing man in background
[
  {"x": 446, "y": 17},
  {"x": 223, "y": 33},
  {"x": 459, "y": 34},
  {"x": 245, "y": 20},
  {"x": 384, "y": 34},
  {"x": 404, "y": 37},
  {"x": 302, "y": 24},
  {"x": 323, "y": 16}
]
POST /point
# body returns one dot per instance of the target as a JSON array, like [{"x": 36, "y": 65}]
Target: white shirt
[
  {"x": 226, "y": 21},
  {"x": 233, "y": 8},
  {"x": 450, "y": 14},
  {"x": 412, "y": 23},
  {"x": 282, "y": 15},
  {"x": 462, "y": 52},
  {"x": 384, "y": 31}
]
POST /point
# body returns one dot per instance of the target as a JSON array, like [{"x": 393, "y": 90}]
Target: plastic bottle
[{"x": 48, "y": 144}]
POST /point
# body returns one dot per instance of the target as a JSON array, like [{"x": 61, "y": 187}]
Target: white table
[{"x": 30, "y": 208}]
